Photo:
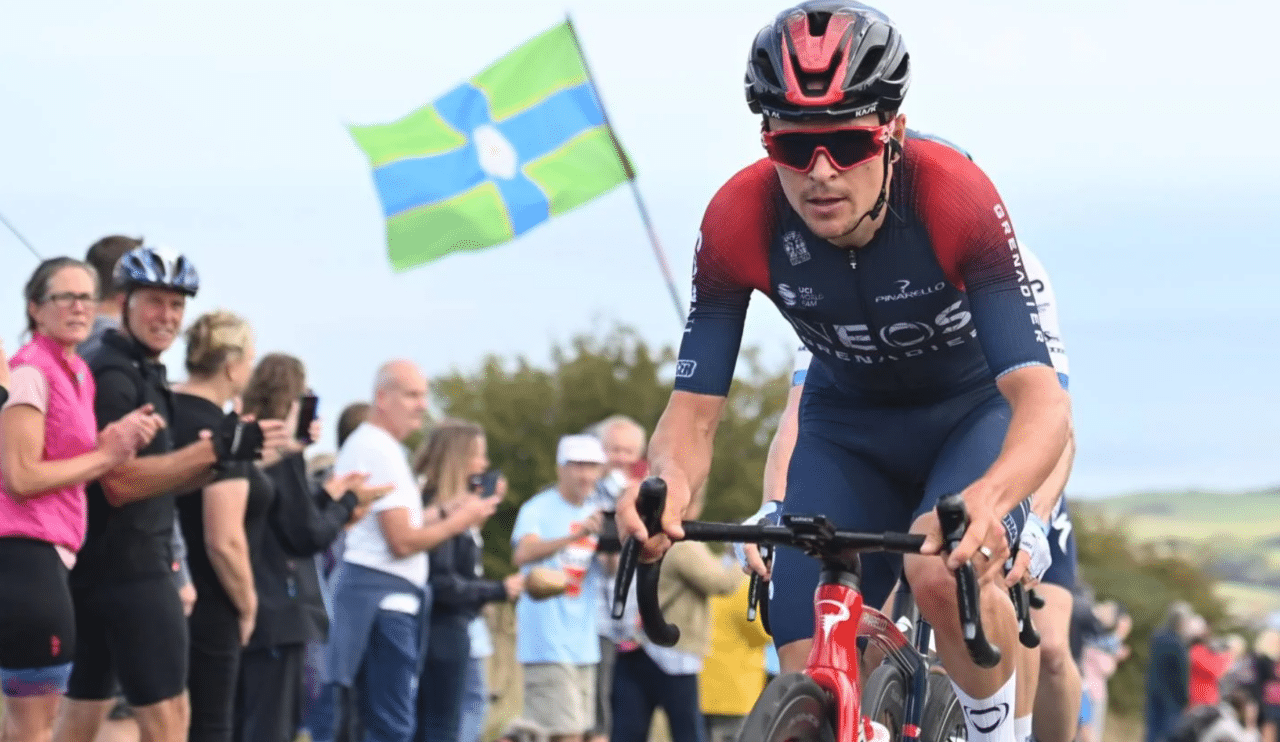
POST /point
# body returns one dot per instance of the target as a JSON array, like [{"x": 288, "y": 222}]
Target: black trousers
[
  {"x": 269, "y": 697},
  {"x": 212, "y": 673}
]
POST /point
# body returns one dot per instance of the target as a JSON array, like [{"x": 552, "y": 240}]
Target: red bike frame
[{"x": 833, "y": 661}]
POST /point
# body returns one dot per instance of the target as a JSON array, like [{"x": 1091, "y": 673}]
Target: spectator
[
  {"x": 1103, "y": 652},
  {"x": 454, "y": 456},
  {"x": 103, "y": 256},
  {"x": 4, "y": 375},
  {"x": 49, "y": 448},
  {"x": 557, "y": 644},
  {"x": 1209, "y": 661},
  {"x": 1237, "y": 722},
  {"x": 1267, "y": 682},
  {"x": 1167, "y": 672},
  {"x": 223, "y": 522},
  {"x": 303, "y": 520},
  {"x": 733, "y": 673},
  {"x": 318, "y": 706},
  {"x": 624, "y": 442},
  {"x": 654, "y": 676},
  {"x": 129, "y": 619},
  {"x": 381, "y": 600}
]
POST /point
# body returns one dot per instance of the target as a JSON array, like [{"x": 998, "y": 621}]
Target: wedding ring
[{"x": 985, "y": 551}]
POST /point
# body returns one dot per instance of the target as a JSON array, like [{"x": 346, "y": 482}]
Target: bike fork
[{"x": 913, "y": 705}]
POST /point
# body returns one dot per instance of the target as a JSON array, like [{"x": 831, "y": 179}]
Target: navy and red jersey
[{"x": 937, "y": 302}]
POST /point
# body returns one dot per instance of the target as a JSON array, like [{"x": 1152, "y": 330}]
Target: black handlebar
[{"x": 813, "y": 534}]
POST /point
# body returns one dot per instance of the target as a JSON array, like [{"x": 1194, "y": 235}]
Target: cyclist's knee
[
  {"x": 934, "y": 588},
  {"x": 1055, "y": 655},
  {"x": 793, "y": 656}
]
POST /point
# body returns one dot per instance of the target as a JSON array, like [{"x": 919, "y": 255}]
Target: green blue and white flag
[{"x": 519, "y": 143}]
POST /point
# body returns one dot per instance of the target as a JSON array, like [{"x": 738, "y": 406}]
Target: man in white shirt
[{"x": 381, "y": 600}]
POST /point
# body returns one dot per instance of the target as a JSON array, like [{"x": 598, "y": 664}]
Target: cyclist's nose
[{"x": 823, "y": 167}]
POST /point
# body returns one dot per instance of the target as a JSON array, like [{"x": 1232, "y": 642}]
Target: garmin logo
[{"x": 906, "y": 292}]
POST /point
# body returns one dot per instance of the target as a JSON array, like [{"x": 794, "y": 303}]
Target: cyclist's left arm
[{"x": 977, "y": 247}]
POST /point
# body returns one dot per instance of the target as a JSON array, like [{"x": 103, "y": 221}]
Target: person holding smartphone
[
  {"x": 303, "y": 520},
  {"x": 454, "y": 466}
]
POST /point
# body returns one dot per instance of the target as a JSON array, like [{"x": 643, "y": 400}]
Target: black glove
[{"x": 236, "y": 440}]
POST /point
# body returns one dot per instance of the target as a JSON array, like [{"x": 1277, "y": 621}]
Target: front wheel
[
  {"x": 943, "y": 716},
  {"x": 883, "y": 698},
  {"x": 793, "y": 708}
]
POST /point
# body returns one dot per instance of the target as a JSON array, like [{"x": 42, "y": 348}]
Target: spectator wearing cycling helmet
[
  {"x": 896, "y": 262},
  {"x": 129, "y": 619},
  {"x": 49, "y": 448},
  {"x": 103, "y": 256}
]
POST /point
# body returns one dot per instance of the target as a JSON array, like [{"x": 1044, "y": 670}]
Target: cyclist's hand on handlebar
[
  {"x": 984, "y": 543},
  {"x": 749, "y": 554},
  {"x": 629, "y": 523}
]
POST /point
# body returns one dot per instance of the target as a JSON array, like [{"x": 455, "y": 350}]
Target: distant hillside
[
  {"x": 1236, "y": 534},
  {"x": 1195, "y": 516}
]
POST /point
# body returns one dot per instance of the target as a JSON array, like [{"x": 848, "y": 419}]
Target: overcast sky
[{"x": 1134, "y": 145}]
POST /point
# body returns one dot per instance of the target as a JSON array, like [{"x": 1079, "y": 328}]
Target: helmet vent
[
  {"x": 868, "y": 65},
  {"x": 818, "y": 23},
  {"x": 815, "y": 84},
  {"x": 764, "y": 67}
]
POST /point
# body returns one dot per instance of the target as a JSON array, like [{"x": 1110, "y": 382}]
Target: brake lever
[
  {"x": 1027, "y": 633},
  {"x": 757, "y": 592},
  {"x": 954, "y": 520}
]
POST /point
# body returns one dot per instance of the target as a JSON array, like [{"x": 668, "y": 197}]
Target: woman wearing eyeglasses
[{"x": 50, "y": 446}]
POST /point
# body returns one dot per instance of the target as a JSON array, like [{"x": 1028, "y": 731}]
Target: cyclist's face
[{"x": 830, "y": 201}]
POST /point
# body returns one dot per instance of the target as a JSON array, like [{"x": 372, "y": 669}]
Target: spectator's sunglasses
[{"x": 845, "y": 146}]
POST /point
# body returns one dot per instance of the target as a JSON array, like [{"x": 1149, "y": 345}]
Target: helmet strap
[{"x": 883, "y": 198}]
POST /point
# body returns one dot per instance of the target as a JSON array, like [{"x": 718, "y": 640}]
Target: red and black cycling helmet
[{"x": 828, "y": 58}]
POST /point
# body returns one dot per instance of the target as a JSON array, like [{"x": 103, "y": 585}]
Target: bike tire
[
  {"x": 943, "y": 716},
  {"x": 792, "y": 708},
  {"x": 883, "y": 698}
]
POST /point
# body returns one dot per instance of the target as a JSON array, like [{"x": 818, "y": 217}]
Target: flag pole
[
  {"x": 21, "y": 239},
  {"x": 630, "y": 172}
]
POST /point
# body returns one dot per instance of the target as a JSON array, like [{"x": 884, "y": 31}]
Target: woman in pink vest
[{"x": 50, "y": 447}]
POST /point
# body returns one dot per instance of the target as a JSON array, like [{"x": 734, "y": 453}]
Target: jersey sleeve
[
  {"x": 1047, "y": 304},
  {"x": 977, "y": 247},
  {"x": 729, "y": 260},
  {"x": 800, "y": 369}
]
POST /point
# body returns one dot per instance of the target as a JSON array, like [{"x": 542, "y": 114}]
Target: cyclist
[
  {"x": 895, "y": 261},
  {"x": 129, "y": 621},
  {"x": 1046, "y": 555}
]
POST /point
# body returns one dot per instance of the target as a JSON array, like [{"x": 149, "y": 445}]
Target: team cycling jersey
[
  {"x": 939, "y": 302},
  {"x": 1042, "y": 290}
]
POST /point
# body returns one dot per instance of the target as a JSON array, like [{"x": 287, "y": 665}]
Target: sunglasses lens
[{"x": 846, "y": 147}]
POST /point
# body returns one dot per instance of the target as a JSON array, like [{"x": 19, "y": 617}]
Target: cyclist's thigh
[
  {"x": 825, "y": 478},
  {"x": 1062, "y": 547},
  {"x": 968, "y": 452}
]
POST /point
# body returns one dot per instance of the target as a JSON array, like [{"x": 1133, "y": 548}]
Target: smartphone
[
  {"x": 484, "y": 484},
  {"x": 308, "y": 405}
]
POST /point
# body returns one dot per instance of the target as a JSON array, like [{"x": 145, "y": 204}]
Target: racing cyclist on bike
[
  {"x": 897, "y": 264},
  {"x": 1045, "y": 558}
]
